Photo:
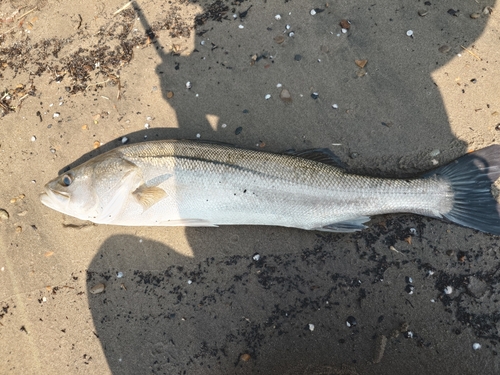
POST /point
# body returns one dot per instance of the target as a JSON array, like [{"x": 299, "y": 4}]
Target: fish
[{"x": 193, "y": 183}]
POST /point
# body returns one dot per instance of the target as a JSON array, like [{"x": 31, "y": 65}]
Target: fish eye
[{"x": 66, "y": 180}]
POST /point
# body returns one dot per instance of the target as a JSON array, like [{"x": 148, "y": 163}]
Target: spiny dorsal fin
[
  {"x": 148, "y": 196},
  {"x": 321, "y": 155}
]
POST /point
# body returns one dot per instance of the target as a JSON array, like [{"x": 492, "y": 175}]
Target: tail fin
[{"x": 471, "y": 177}]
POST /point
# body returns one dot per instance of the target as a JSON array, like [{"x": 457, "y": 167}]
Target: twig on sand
[
  {"x": 472, "y": 53},
  {"x": 123, "y": 8}
]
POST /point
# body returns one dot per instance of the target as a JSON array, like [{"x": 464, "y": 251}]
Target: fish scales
[{"x": 204, "y": 184}]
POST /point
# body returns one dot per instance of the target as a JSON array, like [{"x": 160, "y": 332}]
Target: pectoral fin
[{"x": 148, "y": 196}]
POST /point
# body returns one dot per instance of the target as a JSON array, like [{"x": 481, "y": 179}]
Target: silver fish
[{"x": 189, "y": 183}]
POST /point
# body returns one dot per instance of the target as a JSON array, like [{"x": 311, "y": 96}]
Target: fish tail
[{"x": 471, "y": 178}]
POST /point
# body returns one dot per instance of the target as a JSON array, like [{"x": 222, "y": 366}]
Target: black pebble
[
  {"x": 453, "y": 12},
  {"x": 298, "y": 57},
  {"x": 315, "y": 95},
  {"x": 238, "y": 130},
  {"x": 409, "y": 289},
  {"x": 351, "y": 320},
  {"x": 245, "y": 111},
  {"x": 473, "y": 80},
  {"x": 428, "y": 3}
]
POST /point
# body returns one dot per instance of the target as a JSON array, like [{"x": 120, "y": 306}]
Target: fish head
[{"x": 96, "y": 190}]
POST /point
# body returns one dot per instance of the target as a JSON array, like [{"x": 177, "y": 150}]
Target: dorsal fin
[{"x": 321, "y": 155}]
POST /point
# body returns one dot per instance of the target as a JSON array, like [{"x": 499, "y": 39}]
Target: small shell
[
  {"x": 4, "y": 215},
  {"x": 98, "y": 288}
]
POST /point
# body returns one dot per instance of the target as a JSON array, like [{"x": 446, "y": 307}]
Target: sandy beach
[{"x": 394, "y": 89}]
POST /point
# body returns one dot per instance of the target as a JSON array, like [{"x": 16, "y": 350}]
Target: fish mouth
[{"x": 53, "y": 198}]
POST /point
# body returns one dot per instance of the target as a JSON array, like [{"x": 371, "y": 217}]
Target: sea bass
[{"x": 189, "y": 183}]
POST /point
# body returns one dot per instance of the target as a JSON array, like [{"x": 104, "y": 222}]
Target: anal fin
[{"x": 346, "y": 226}]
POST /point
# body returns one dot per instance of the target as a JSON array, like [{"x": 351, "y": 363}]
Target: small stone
[
  {"x": 33, "y": 138},
  {"x": 279, "y": 39},
  {"x": 297, "y": 57},
  {"x": 311, "y": 327},
  {"x": 409, "y": 289},
  {"x": 98, "y": 288},
  {"x": 19, "y": 229},
  {"x": 119, "y": 275},
  {"x": 351, "y": 321},
  {"x": 97, "y": 144},
  {"x": 444, "y": 49},
  {"x": 344, "y": 31},
  {"x": 291, "y": 34},
  {"x": 453, "y": 12},
  {"x": 315, "y": 95},
  {"x": 422, "y": 12},
  {"x": 190, "y": 282},
  {"x": 198, "y": 135},
  {"x": 170, "y": 94},
  {"x": 408, "y": 334},
  {"x": 238, "y": 130},
  {"x": 312, "y": 12},
  {"x": 223, "y": 126},
  {"x": 434, "y": 153},
  {"x": 56, "y": 114},
  {"x": 124, "y": 140},
  {"x": 361, "y": 72},
  {"x": 245, "y": 357},
  {"x": 146, "y": 126},
  {"x": 409, "y": 33},
  {"x": 267, "y": 97},
  {"x": 188, "y": 85},
  {"x": 475, "y": 16},
  {"x": 361, "y": 63},
  {"x": 285, "y": 96},
  {"x": 4, "y": 215},
  {"x": 473, "y": 80},
  {"x": 256, "y": 257},
  {"x": 448, "y": 290},
  {"x": 476, "y": 346},
  {"x": 241, "y": 27},
  {"x": 279, "y": 85},
  {"x": 345, "y": 24},
  {"x": 288, "y": 27},
  {"x": 487, "y": 10},
  {"x": 277, "y": 17}
]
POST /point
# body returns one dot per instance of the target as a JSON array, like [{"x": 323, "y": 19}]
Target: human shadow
[{"x": 283, "y": 296}]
